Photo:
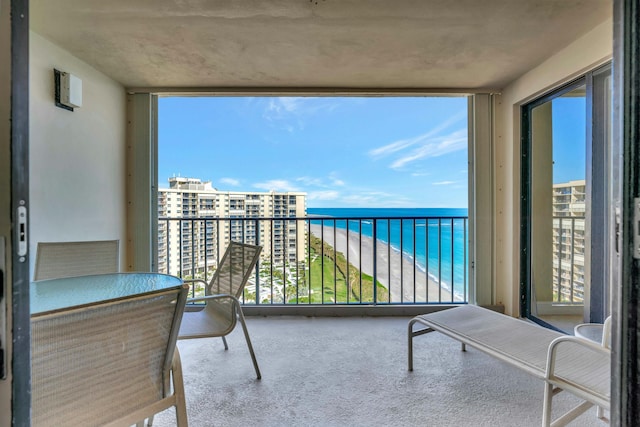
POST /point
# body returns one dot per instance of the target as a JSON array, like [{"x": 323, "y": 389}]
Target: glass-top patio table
[{"x": 55, "y": 294}]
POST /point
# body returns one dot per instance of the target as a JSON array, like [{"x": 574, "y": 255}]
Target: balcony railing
[{"x": 327, "y": 260}]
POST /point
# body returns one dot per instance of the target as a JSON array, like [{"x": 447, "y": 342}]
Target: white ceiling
[{"x": 456, "y": 44}]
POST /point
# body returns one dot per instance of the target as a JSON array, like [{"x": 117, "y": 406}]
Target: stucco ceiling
[{"x": 319, "y": 43}]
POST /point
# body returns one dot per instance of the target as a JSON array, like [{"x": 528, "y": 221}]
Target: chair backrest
[
  {"x": 235, "y": 268},
  {"x": 55, "y": 260},
  {"x": 98, "y": 363}
]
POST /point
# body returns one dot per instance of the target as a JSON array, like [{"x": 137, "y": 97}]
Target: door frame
[
  {"x": 15, "y": 389},
  {"x": 526, "y": 167},
  {"x": 625, "y": 177},
  {"x": 596, "y": 299}
]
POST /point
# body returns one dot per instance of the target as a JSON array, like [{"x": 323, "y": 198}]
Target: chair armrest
[
  {"x": 589, "y": 331},
  {"x": 589, "y": 346},
  {"x": 583, "y": 368},
  {"x": 213, "y": 297},
  {"x": 194, "y": 281},
  {"x": 192, "y": 289}
]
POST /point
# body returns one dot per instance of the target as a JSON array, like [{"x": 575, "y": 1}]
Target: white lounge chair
[
  {"x": 564, "y": 362},
  {"x": 583, "y": 379},
  {"x": 581, "y": 367}
]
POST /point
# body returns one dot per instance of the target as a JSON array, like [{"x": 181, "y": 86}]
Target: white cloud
[
  {"x": 329, "y": 182},
  {"x": 298, "y": 106},
  {"x": 335, "y": 180},
  {"x": 230, "y": 181},
  {"x": 282, "y": 105},
  {"x": 276, "y": 185},
  {"x": 323, "y": 195},
  {"x": 436, "y": 147},
  {"x": 361, "y": 200},
  {"x": 395, "y": 146},
  {"x": 307, "y": 180},
  {"x": 291, "y": 113},
  {"x": 444, "y": 182},
  {"x": 376, "y": 199},
  {"x": 385, "y": 150}
]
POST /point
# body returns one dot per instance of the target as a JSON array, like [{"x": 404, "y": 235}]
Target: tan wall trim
[
  {"x": 142, "y": 178},
  {"x": 481, "y": 200}
]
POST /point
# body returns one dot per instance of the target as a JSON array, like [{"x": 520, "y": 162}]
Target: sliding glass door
[{"x": 564, "y": 202}]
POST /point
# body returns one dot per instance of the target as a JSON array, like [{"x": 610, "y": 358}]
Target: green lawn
[{"x": 328, "y": 282}]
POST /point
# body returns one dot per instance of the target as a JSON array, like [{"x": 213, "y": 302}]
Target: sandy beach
[{"x": 390, "y": 265}]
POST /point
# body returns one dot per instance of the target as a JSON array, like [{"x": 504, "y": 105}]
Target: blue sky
[
  {"x": 343, "y": 152},
  {"x": 569, "y": 138}
]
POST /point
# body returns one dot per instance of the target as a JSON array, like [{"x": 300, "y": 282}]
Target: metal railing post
[
  {"x": 257, "y": 264},
  {"x": 573, "y": 234},
  {"x": 374, "y": 232}
]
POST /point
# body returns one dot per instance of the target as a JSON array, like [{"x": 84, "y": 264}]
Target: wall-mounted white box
[{"x": 70, "y": 90}]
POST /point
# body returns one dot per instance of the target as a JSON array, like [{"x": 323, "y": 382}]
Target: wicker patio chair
[
  {"x": 223, "y": 309},
  {"x": 108, "y": 363},
  {"x": 55, "y": 260}
]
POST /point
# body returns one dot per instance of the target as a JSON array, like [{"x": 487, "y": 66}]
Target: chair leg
[
  {"x": 224, "y": 340},
  {"x": 410, "y": 345},
  {"x": 246, "y": 335},
  {"x": 546, "y": 406},
  {"x": 178, "y": 390}
]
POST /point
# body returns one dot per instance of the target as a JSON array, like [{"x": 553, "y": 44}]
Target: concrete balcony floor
[{"x": 353, "y": 372}]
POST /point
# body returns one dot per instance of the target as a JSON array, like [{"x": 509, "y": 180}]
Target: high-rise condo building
[
  {"x": 569, "y": 241},
  {"x": 197, "y": 221}
]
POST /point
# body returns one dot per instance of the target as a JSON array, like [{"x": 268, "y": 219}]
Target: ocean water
[{"x": 440, "y": 236}]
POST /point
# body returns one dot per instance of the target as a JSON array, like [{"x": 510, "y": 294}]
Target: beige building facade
[
  {"x": 197, "y": 222},
  {"x": 569, "y": 241}
]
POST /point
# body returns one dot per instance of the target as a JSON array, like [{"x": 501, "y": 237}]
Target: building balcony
[{"x": 379, "y": 377}]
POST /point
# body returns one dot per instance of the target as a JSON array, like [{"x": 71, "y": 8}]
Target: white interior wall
[
  {"x": 587, "y": 52},
  {"x": 77, "y": 159}
]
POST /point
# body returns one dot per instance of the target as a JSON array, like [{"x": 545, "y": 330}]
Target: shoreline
[{"x": 391, "y": 265}]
